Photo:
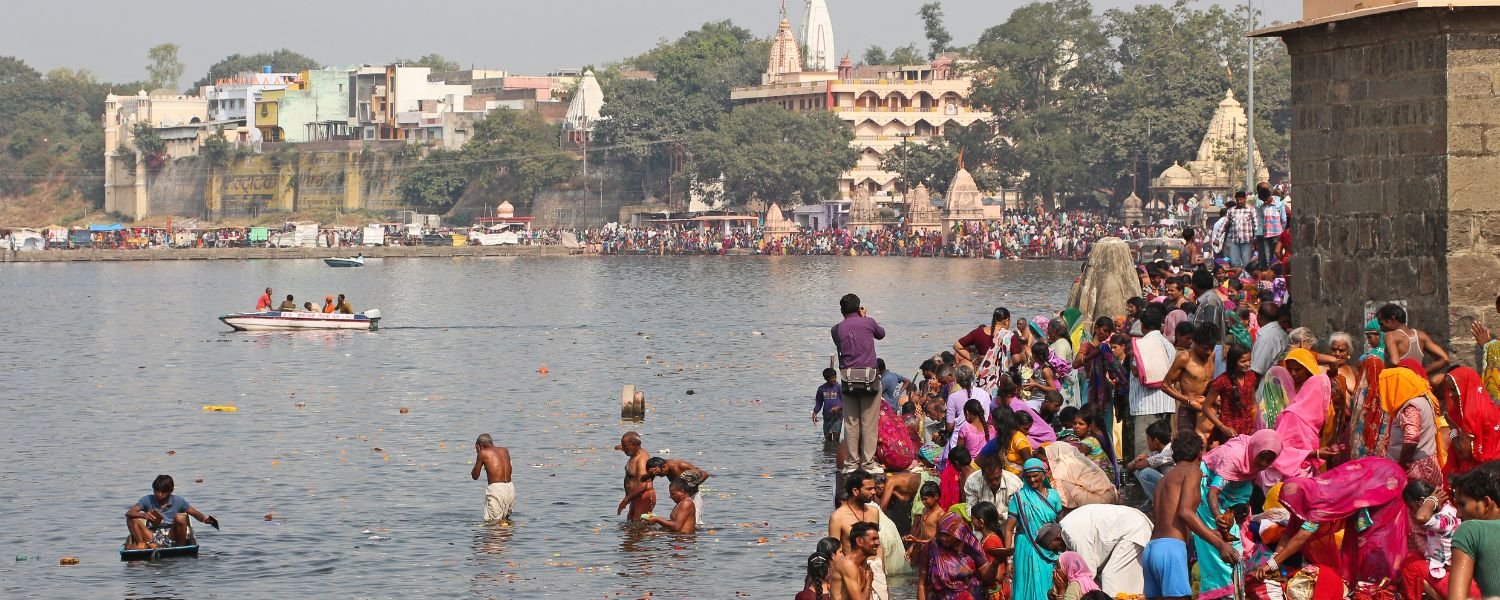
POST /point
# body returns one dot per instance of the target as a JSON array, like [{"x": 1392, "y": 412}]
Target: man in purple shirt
[{"x": 854, "y": 337}]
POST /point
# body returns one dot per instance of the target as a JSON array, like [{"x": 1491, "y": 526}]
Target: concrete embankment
[{"x": 95, "y": 255}]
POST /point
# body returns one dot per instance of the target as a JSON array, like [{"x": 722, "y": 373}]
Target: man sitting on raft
[{"x": 160, "y": 520}]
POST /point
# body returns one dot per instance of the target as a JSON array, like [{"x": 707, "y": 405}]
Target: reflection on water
[{"x": 111, "y": 364}]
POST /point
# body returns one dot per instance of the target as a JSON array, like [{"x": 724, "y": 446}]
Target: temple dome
[
  {"x": 1176, "y": 176},
  {"x": 505, "y": 210}
]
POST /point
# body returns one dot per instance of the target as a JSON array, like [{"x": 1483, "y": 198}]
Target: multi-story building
[
  {"x": 380, "y": 94},
  {"x": 232, "y": 99},
  {"x": 180, "y": 121},
  {"x": 313, "y": 107},
  {"x": 885, "y": 105}
]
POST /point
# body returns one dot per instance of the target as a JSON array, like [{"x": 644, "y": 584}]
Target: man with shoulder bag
[{"x": 854, "y": 338}]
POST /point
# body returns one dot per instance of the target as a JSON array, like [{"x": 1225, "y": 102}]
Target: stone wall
[{"x": 1395, "y": 158}]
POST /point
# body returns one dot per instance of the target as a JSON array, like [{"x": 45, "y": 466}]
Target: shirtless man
[
  {"x": 500, "y": 494},
  {"x": 640, "y": 494},
  {"x": 684, "y": 518},
  {"x": 1402, "y": 342},
  {"x": 860, "y": 487},
  {"x": 1187, "y": 381},
  {"x": 853, "y": 578},
  {"x": 680, "y": 470},
  {"x": 1176, "y": 514}
]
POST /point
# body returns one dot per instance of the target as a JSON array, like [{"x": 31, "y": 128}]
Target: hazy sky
[{"x": 111, "y": 38}]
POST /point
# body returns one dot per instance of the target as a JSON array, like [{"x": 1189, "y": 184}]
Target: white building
[
  {"x": 817, "y": 37},
  {"x": 233, "y": 98}
]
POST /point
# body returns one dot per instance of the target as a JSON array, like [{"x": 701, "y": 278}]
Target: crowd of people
[
  {"x": 1201, "y": 444},
  {"x": 330, "y": 305}
]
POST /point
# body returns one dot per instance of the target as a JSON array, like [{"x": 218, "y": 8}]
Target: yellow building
[{"x": 886, "y": 105}]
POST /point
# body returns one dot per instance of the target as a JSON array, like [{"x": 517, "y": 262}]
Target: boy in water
[
  {"x": 1176, "y": 514},
  {"x": 829, "y": 400},
  {"x": 923, "y": 529}
]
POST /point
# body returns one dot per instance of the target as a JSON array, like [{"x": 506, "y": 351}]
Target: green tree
[
  {"x": 709, "y": 60},
  {"x": 165, "y": 69},
  {"x": 644, "y": 126},
  {"x": 434, "y": 61},
  {"x": 519, "y": 148},
  {"x": 1042, "y": 74},
  {"x": 437, "y": 182},
  {"x": 775, "y": 155},
  {"x": 907, "y": 55},
  {"x": 875, "y": 55},
  {"x": 280, "y": 61},
  {"x": 938, "y": 38},
  {"x": 935, "y": 162}
]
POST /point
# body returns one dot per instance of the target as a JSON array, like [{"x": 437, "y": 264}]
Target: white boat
[
  {"x": 277, "y": 320},
  {"x": 358, "y": 261}
]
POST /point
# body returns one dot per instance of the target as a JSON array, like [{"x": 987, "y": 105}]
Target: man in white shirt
[
  {"x": 1270, "y": 342},
  {"x": 991, "y": 483},
  {"x": 1148, "y": 403}
]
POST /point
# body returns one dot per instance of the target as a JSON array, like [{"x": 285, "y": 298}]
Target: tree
[
  {"x": 165, "y": 69},
  {"x": 644, "y": 125},
  {"x": 1042, "y": 74},
  {"x": 436, "y": 62},
  {"x": 907, "y": 55},
  {"x": 712, "y": 59},
  {"x": 938, "y": 38},
  {"x": 875, "y": 55},
  {"x": 519, "y": 147},
  {"x": 775, "y": 155},
  {"x": 280, "y": 61},
  {"x": 935, "y": 162},
  {"x": 437, "y": 182}
]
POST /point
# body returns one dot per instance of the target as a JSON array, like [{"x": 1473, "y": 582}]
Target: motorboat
[
  {"x": 283, "y": 321},
  {"x": 358, "y": 261}
]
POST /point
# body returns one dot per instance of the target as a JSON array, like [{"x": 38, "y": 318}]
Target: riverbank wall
[{"x": 99, "y": 255}]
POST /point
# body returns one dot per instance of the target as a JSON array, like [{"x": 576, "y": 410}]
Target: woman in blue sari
[{"x": 1034, "y": 506}]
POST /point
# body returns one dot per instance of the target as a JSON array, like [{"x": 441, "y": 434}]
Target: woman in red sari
[
  {"x": 1476, "y": 418},
  {"x": 1361, "y": 498}
]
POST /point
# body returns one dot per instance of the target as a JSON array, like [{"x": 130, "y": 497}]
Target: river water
[{"x": 325, "y": 489}]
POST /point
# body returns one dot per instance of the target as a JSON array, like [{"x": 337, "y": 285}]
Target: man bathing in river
[
  {"x": 684, "y": 517},
  {"x": 853, "y": 574},
  {"x": 859, "y": 507},
  {"x": 640, "y": 495},
  {"x": 500, "y": 494},
  {"x": 160, "y": 519},
  {"x": 680, "y": 470}
]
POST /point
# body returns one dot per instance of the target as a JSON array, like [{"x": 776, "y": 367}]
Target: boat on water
[
  {"x": 189, "y": 549},
  {"x": 279, "y": 321},
  {"x": 358, "y": 261}
]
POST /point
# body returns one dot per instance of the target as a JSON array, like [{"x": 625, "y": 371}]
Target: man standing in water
[
  {"x": 640, "y": 495},
  {"x": 500, "y": 494},
  {"x": 853, "y": 577},
  {"x": 859, "y": 508},
  {"x": 680, "y": 470},
  {"x": 854, "y": 338},
  {"x": 1176, "y": 513}
]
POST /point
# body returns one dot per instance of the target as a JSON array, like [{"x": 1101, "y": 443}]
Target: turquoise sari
[
  {"x": 1034, "y": 564},
  {"x": 1216, "y": 576}
]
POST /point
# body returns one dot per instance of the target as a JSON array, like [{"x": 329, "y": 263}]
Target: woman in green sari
[{"x": 1031, "y": 508}]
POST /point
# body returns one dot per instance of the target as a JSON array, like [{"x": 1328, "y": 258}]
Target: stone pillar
[{"x": 1395, "y": 155}]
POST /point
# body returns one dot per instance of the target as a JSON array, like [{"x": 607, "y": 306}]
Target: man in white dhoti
[
  {"x": 1110, "y": 538},
  {"x": 500, "y": 494}
]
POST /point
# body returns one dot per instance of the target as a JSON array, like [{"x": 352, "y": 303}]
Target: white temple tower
[{"x": 817, "y": 37}]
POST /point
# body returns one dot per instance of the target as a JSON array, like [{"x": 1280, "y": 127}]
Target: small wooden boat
[
  {"x": 190, "y": 549},
  {"x": 358, "y": 261},
  {"x": 277, "y": 320}
]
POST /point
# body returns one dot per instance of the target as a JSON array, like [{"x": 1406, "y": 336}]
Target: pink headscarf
[
  {"x": 1299, "y": 426},
  {"x": 1077, "y": 571},
  {"x": 1169, "y": 326},
  {"x": 1235, "y": 459}
]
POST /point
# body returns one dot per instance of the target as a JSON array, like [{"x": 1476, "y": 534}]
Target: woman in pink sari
[
  {"x": 1302, "y": 421},
  {"x": 1361, "y": 498}
]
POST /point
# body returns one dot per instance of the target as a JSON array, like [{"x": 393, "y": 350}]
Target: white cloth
[
  {"x": 499, "y": 500},
  {"x": 893, "y": 553},
  {"x": 879, "y": 589},
  {"x": 698, "y": 507},
  {"x": 977, "y": 490},
  {"x": 1110, "y": 538},
  {"x": 1145, "y": 400}
]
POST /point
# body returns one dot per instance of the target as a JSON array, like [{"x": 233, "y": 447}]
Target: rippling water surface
[{"x": 107, "y": 368}]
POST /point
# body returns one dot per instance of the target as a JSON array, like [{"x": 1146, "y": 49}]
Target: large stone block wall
[
  {"x": 1396, "y": 163},
  {"x": 1370, "y": 170},
  {"x": 1473, "y": 236}
]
